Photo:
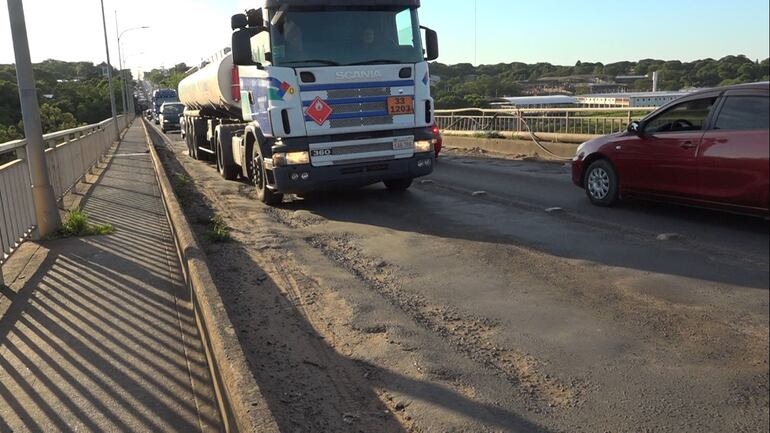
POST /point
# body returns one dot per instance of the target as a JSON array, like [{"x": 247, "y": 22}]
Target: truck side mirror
[
  {"x": 242, "y": 54},
  {"x": 431, "y": 44}
]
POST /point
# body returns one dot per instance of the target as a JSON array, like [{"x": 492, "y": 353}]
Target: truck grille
[
  {"x": 354, "y": 93},
  {"x": 361, "y": 121}
]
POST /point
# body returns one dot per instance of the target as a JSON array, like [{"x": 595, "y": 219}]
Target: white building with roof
[
  {"x": 550, "y": 101},
  {"x": 628, "y": 100}
]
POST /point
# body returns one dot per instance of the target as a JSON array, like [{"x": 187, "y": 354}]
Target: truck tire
[
  {"x": 398, "y": 184},
  {"x": 188, "y": 139},
  {"x": 259, "y": 179},
  {"x": 224, "y": 154},
  {"x": 198, "y": 136}
]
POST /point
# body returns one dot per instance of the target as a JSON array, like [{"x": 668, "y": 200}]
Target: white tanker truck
[{"x": 315, "y": 95}]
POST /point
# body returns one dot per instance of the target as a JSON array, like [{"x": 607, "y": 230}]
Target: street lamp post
[
  {"x": 48, "y": 219},
  {"x": 109, "y": 77},
  {"x": 126, "y": 103}
]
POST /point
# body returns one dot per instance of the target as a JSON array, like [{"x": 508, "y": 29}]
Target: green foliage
[
  {"x": 218, "y": 230},
  {"x": 70, "y": 94},
  {"x": 76, "y": 223},
  {"x": 464, "y": 85},
  {"x": 167, "y": 78}
]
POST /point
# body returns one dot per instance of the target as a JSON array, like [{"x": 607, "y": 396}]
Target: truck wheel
[
  {"x": 259, "y": 178},
  {"x": 398, "y": 184},
  {"x": 225, "y": 163},
  {"x": 188, "y": 139},
  {"x": 198, "y": 136}
]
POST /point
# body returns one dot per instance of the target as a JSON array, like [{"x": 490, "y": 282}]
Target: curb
[{"x": 240, "y": 401}]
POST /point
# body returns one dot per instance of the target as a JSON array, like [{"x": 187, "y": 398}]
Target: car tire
[
  {"x": 398, "y": 184},
  {"x": 601, "y": 183},
  {"x": 259, "y": 179}
]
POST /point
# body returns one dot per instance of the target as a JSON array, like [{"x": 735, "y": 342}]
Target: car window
[
  {"x": 172, "y": 109},
  {"x": 744, "y": 113},
  {"x": 687, "y": 116}
]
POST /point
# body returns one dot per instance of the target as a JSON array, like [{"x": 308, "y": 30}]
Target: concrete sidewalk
[{"x": 98, "y": 334}]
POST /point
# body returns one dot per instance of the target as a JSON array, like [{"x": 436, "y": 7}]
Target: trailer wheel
[
  {"x": 188, "y": 139},
  {"x": 259, "y": 178},
  {"x": 225, "y": 163}
]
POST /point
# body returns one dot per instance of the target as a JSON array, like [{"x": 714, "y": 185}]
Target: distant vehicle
[
  {"x": 438, "y": 140},
  {"x": 342, "y": 99},
  {"x": 160, "y": 97},
  {"x": 148, "y": 114},
  {"x": 709, "y": 148},
  {"x": 170, "y": 112}
]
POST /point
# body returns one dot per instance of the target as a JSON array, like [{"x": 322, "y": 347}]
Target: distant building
[
  {"x": 628, "y": 100},
  {"x": 551, "y": 101},
  {"x": 629, "y": 78},
  {"x": 607, "y": 88}
]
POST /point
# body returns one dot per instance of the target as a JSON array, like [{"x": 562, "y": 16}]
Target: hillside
[{"x": 464, "y": 85}]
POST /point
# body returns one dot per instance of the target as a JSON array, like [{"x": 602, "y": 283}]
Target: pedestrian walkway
[{"x": 98, "y": 334}]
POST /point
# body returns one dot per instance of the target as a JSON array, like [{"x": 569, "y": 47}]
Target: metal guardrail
[
  {"x": 69, "y": 155},
  {"x": 578, "y": 121}
]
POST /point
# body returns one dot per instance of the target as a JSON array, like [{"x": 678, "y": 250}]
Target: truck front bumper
[{"x": 298, "y": 179}]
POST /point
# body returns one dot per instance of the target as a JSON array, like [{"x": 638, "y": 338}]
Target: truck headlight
[
  {"x": 421, "y": 146},
  {"x": 291, "y": 158}
]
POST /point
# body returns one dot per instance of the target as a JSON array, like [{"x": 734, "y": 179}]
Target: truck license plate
[
  {"x": 403, "y": 143},
  {"x": 398, "y": 105}
]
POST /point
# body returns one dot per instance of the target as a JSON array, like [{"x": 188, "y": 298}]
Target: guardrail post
[{"x": 48, "y": 220}]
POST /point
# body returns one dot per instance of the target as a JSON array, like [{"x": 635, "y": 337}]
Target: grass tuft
[
  {"x": 218, "y": 230},
  {"x": 76, "y": 223}
]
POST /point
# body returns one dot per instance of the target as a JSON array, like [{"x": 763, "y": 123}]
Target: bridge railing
[
  {"x": 565, "y": 121},
  {"x": 70, "y": 155}
]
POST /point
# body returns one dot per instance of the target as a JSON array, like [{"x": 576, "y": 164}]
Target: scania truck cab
[{"x": 324, "y": 94}]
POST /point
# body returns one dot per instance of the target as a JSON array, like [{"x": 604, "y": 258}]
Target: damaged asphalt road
[{"x": 437, "y": 310}]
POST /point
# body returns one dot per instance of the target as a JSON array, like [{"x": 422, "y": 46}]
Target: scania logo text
[{"x": 353, "y": 75}]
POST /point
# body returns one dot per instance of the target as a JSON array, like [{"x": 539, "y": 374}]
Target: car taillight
[
  {"x": 435, "y": 130},
  {"x": 235, "y": 88}
]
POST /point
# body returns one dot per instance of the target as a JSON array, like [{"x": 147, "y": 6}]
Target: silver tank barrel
[{"x": 208, "y": 90}]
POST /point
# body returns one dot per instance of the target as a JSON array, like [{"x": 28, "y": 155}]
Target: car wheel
[
  {"x": 259, "y": 179},
  {"x": 601, "y": 183},
  {"x": 398, "y": 184}
]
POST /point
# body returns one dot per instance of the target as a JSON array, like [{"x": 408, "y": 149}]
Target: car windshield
[
  {"x": 346, "y": 36},
  {"x": 173, "y": 109}
]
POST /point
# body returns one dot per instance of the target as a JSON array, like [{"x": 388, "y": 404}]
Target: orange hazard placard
[{"x": 400, "y": 105}]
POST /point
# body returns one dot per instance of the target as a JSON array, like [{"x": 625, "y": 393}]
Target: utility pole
[
  {"x": 48, "y": 219},
  {"x": 109, "y": 76}
]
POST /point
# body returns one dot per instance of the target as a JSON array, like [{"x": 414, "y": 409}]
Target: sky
[{"x": 470, "y": 31}]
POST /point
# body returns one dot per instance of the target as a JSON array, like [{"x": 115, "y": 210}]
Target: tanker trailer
[{"x": 317, "y": 95}]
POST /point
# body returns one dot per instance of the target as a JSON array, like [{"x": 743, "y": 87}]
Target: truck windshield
[{"x": 346, "y": 36}]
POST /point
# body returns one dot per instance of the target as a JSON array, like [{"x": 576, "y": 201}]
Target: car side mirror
[
  {"x": 431, "y": 44},
  {"x": 242, "y": 54},
  {"x": 635, "y": 127}
]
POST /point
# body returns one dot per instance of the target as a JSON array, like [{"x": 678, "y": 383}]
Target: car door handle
[{"x": 688, "y": 145}]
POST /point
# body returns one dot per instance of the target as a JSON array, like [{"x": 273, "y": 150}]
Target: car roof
[{"x": 762, "y": 85}]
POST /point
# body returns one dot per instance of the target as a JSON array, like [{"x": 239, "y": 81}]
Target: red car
[{"x": 709, "y": 148}]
